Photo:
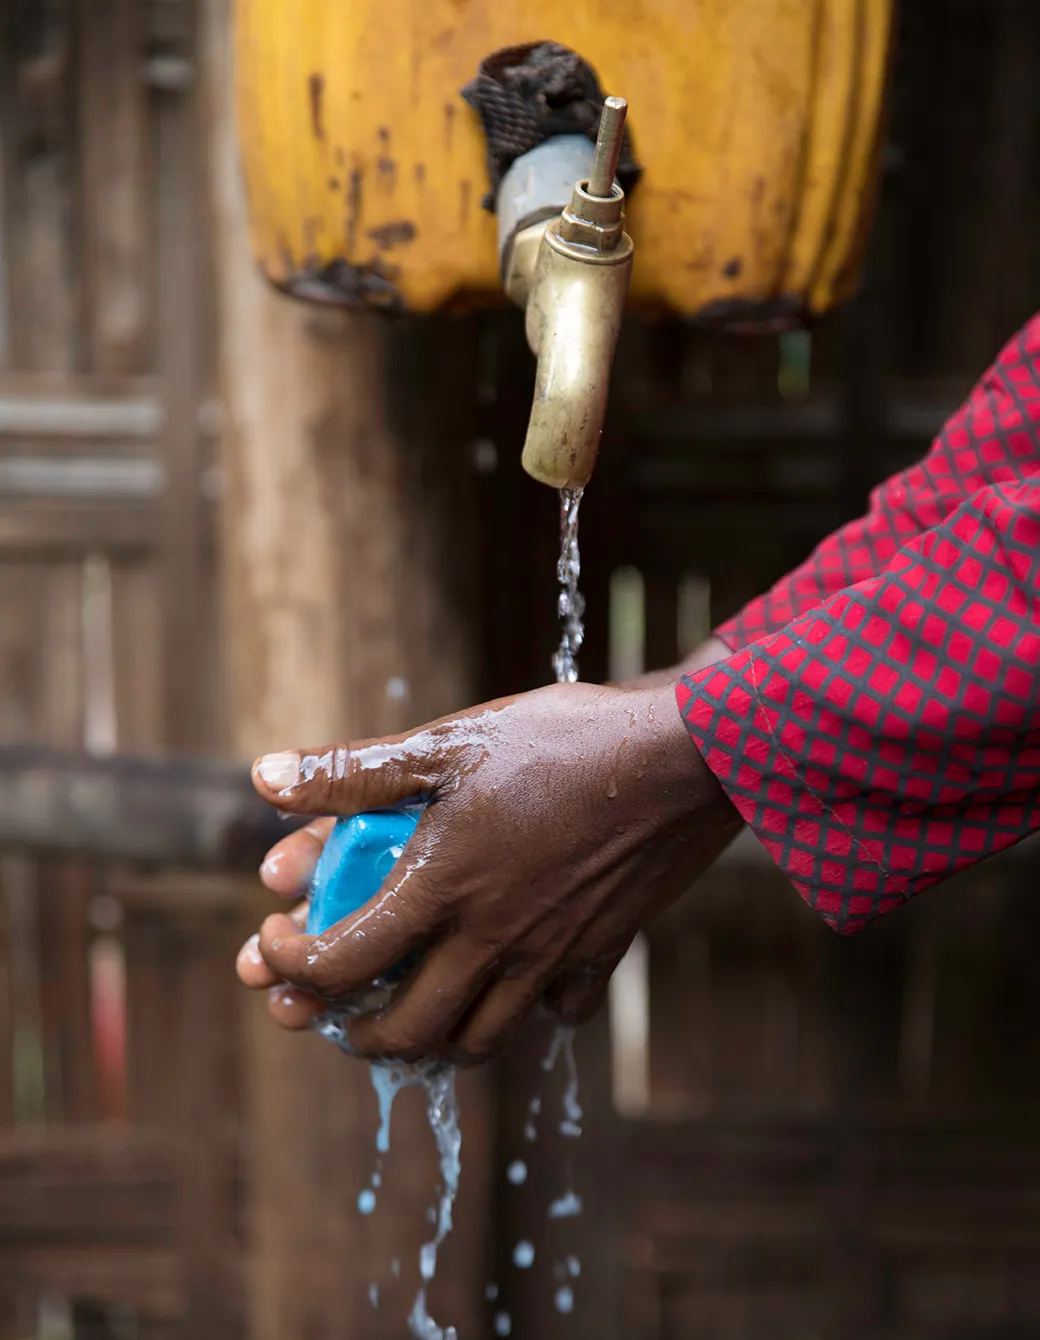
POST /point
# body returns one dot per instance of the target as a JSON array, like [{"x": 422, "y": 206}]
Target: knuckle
[
  {"x": 322, "y": 775},
  {"x": 323, "y": 977},
  {"x": 389, "y": 1041}
]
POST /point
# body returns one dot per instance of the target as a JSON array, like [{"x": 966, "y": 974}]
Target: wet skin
[{"x": 558, "y": 822}]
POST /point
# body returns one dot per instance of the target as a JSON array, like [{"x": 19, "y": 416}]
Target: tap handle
[{"x": 608, "y": 148}]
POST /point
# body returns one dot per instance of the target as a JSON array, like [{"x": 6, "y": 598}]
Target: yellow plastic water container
[{"x": 757, "y": 124}]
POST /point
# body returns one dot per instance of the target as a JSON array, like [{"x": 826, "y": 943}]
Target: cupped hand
[{"x": 556, "y": 824}]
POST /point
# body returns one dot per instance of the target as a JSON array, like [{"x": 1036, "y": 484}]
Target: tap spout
[
  {"x": 571, "y": 275},
  {"x": 574, "y": 310}
]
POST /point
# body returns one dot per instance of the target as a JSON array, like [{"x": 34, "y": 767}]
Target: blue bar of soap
[{"x": 359, "y": 854}]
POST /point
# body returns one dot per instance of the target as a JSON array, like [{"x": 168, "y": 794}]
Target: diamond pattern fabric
[{"x": 878, "y": 724}]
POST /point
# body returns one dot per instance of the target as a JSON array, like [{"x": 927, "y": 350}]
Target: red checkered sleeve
[
  {"x": 890, "y": 736},
  {"x": 992, "y": 439}
]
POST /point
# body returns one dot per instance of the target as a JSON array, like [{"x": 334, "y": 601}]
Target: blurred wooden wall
[
  {"x": 109, "y": 641},
  {"x": 814, "y": 1137}
]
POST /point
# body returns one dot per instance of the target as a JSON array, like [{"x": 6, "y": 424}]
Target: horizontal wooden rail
[
  {"x": 101, "y": 1214},
  {"x": 180, "y": 811}
]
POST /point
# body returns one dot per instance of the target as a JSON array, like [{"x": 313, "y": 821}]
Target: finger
[
  {"x": 289, "y": 866},
  {"x": 350, "y": 955},
  {"x": 417, "y": 1022},
  {"x": 294, "y": 1009},
  {"x": 347, "y": 779},
  {"x": 497, "y": 1017},
  {"x": 251, "y": 968}
]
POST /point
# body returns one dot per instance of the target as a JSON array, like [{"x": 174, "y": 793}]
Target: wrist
[{"x": 664, "y": 758}]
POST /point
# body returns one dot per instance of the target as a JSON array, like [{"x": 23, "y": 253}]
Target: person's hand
[{"x": 557, "y": 822}]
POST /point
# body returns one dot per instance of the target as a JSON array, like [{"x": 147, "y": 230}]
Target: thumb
[{"x": 347, "y": 779}]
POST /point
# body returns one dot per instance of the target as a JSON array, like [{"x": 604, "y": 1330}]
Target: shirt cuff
[{"x": 731, "y": 711}]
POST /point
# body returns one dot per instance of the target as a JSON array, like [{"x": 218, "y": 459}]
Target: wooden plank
[
  {"x": 183, "y": 891},
  {"x": 23, "y": 599},
  {"x": 188, "y": 589},
  {"x": 29, "y": 1093},
  {"x": 7, "y": 1013},
  {"x": 61, "y": 656},
  {"x": 112, "y": 163},
  {"x": 185, "y": 811},
  {"x": 42, "y": 528},
  {"x": 64, "y": 896},
  {"x": 92, "y": 1185},
  {"x": 137, "y": 657},
  {"x": 925, "y": 1182},
  {"x": 39, "y": 175},
  {"x": 178, "y": 982},
  {"x": 107, "y": 404},
  {"x": 177, "y": 978},
  {"x": 149, "y": 1279},
  {"x": 79, "y": 406}
]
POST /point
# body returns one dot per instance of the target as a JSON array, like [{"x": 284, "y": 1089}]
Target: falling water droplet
[
  {"x": 568, "y": 1206},
  {"x": 564, "y": 1299}
]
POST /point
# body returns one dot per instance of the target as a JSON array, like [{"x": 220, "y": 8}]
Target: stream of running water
[
  {"x": 438, "y": 1080},
  {"x": 571, "y": 610}
]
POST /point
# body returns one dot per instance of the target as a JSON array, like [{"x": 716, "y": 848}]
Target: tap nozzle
[
  {"x": 608, "y": 147},
  {"x": 574, "y": 306}
]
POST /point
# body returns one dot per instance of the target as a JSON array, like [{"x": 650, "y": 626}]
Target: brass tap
[{"x": 571, "y": 275}]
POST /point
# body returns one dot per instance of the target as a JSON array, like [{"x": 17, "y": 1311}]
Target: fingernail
[
  {"x": 279, "y": 771},
  {"x": 251, "y": 950},
  {"x": 271, "y": 864}
]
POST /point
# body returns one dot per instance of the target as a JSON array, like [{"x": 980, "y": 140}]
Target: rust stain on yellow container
[{"x": 757, "y": 123}]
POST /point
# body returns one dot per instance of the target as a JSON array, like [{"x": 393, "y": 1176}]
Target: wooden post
[{"x": 342, "y": 618}]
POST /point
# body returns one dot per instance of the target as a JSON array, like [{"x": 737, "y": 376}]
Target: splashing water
[
  {"x": 571, "y": 610},
  {"x": 438, "y": 1080},
  {"x": 523, "y": 1255},
  {"x": 571, "y": 605},
  {"x": 442, "y": 1113},
  {"x": 564, "y": 1299},
  {"x": 568, "y": 1206},
  {"x": 563, "y": 1045}
]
